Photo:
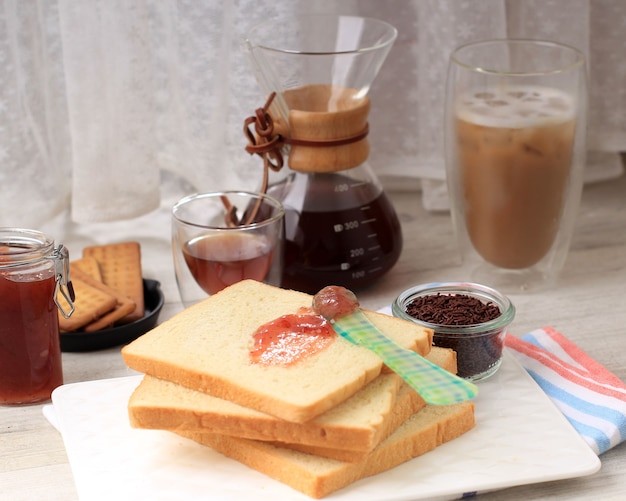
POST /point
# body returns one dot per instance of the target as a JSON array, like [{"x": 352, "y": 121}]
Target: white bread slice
[
  {"x": 206, "y": 348},
  {"x": 356, "y": 425},
  {"x": 318, "y": 477},
  {"x": 407, "y": 403}
]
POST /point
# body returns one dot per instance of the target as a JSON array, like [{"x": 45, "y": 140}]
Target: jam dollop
[
  {"x": 291, "y": 338},
  {"x": 334, "y": 302}
]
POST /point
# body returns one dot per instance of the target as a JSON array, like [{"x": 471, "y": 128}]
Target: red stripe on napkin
[
  {"x": 581, "y": 377},
  {"x": 581, "y": 357}
]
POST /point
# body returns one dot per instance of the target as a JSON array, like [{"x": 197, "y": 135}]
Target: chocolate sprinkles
[
  {"x": 452, "y": 309},
  {"x": 476, "y": 354}
]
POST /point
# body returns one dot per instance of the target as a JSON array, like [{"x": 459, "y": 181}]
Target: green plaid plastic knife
[{"x": 434, "y": 384}]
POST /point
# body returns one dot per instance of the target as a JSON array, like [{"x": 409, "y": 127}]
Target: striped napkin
[{"x": 590, "y": 397}]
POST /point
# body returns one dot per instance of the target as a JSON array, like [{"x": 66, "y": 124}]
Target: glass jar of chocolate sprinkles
[{"x": 468, "y": 318}]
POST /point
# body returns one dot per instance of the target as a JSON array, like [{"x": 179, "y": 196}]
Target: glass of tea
[
  {"x": 221, "y": 238},
  {"x": 515, "y": 150}
]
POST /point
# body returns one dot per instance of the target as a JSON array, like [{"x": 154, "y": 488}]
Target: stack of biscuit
[
  {"x": 318, "y": 425},
  {"x": 108, "y": 286}
]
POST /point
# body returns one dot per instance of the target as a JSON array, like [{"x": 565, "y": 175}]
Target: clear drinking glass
[
  {"x": 515, "y": 149},
  {"x": 221, "y": 238}
]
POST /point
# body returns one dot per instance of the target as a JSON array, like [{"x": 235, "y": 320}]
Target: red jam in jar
[{"x": 30, "y": 353}]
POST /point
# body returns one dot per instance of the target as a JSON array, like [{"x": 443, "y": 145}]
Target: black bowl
[{"x": 122, "y": 334}]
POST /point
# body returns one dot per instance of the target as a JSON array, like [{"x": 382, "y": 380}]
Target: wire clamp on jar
[{"x": 63, "y": 286}]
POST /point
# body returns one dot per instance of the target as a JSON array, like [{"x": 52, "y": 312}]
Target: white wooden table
[{"x": 588, "y": 305}]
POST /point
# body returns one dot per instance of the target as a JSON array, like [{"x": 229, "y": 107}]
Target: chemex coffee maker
[{"x": 341, "y": 228}]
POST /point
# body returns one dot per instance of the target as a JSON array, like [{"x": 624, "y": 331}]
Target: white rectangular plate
[{"x": 520, "y": 438}]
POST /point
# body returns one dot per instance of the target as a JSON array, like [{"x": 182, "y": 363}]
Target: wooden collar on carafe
[{"x": 319, "y": 140}]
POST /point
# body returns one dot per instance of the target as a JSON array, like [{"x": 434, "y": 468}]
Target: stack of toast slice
[{"x": 318, "y": 425}]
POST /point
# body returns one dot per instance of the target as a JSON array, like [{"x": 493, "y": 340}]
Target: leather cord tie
[
  {"x": 326, "y": 143},
  {"x": 264, "y": 143}
]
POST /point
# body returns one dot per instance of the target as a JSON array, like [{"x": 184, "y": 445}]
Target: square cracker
[
  {"x": 123, "y": 306},
  {"x": 120, "y": 265},
  {"x": 87, "y": 265},
  {"x": 89, "y": 305}
]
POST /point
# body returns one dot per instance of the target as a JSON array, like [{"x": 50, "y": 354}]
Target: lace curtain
[{"x": 98, "y": 98}]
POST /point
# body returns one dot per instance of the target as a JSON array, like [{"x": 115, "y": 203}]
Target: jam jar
[{"x": 34, "y": 274}]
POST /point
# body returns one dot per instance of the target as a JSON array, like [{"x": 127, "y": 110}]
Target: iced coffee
[{"x": 515, "y": 149}]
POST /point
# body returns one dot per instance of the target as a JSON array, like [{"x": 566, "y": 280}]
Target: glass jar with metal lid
[{"x": 34, "y": 284}]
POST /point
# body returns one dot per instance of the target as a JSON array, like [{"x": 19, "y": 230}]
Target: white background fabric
[{"x": 99, "y": 97}]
